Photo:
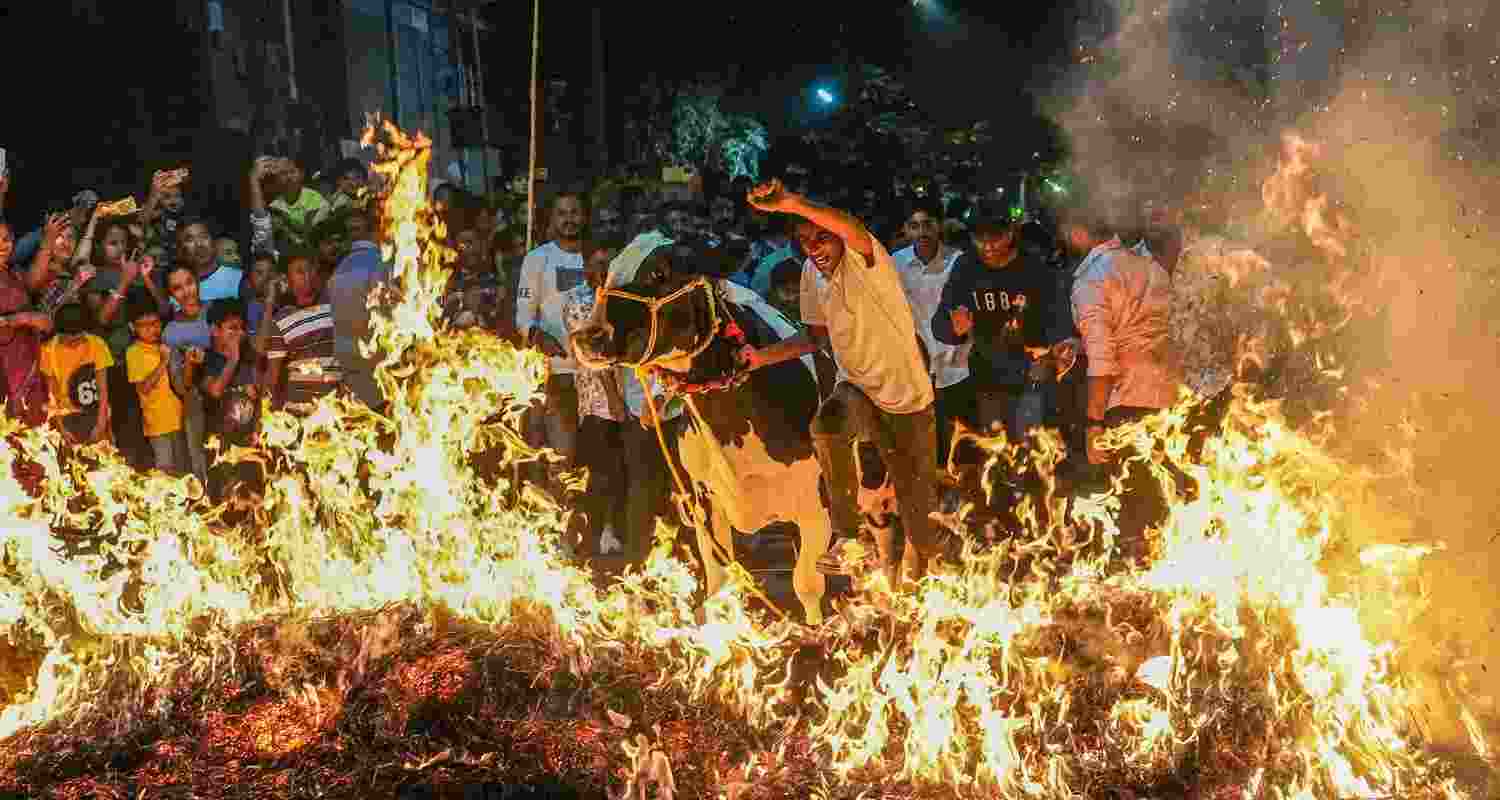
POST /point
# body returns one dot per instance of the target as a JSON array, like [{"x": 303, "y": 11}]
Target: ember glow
[{"x": 1043, "y": 668}]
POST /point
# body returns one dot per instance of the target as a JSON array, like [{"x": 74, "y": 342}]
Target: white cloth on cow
[
  {"x": 622, "y": 272},
  {"x": 785, "y": 328},
  {"x": 623, "y": 268}
]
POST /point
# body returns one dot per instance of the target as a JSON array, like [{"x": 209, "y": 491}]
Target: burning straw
[{"x": 390, "y": 614}]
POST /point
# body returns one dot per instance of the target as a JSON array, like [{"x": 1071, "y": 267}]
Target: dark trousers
[
  {"x": 126, "y": 420},
  {"x": 1205, "y": 420},
  {"x": 599, "y": 448},
  {"x": 954, "y": 402},
  {"x": 907, "y": 444},
  {"x": 648, "y": 487},
  {"x": 1143, "y": 504},
  {"x": 997, "y": 406}
]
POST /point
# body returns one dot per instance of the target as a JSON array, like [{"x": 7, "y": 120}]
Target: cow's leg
[
  {"x": 878, "y": 504},
  {"x": 816, "y": 532},
  {"x": 716, "y": 548}
]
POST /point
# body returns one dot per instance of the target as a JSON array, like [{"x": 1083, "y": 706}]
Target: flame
[{"x": 1041, "y": 667}]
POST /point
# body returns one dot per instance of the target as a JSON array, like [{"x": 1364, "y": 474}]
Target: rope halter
[{"x": 654, "y": 305}]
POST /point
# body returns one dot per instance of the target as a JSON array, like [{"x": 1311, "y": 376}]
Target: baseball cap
[{"x": 991, "y": 215}]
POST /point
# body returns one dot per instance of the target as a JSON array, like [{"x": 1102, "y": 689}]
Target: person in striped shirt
[{"x": 300, "y": 362}]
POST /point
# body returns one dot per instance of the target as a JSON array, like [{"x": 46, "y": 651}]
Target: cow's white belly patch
[{"x": 753, "y": 489}]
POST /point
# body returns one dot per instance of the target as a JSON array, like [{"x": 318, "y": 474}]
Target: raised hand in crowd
[
  {"x": 963, "y": 320},
  {"x": 40, "y": 274},
  {"x": 163, "y": 182},
  {"x": 84, "y": 253},
  {"x": 770, "y": 196},
  {"x": 54, "y": 227}
]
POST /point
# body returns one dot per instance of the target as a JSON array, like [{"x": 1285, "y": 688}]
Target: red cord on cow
[{"x": 676, "y": 386}]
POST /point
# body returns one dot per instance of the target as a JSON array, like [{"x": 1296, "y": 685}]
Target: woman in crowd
[
  {"x": 22, "y": 329},
  {"x": 118, "y": 281}
]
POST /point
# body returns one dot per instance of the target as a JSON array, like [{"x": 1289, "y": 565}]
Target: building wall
[{"x": 427, "y": 81}]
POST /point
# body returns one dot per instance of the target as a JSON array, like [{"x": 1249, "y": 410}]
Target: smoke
[{"x": 1177, "y": 100}]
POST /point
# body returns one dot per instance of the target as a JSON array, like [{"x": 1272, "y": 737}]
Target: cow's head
[{"x": 659, "y": 306}]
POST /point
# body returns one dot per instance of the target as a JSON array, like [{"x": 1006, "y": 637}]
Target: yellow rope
[{"x": 686, "y": 505}]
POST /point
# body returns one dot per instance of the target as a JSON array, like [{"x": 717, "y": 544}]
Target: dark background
[{"x": 102, "y": 93}]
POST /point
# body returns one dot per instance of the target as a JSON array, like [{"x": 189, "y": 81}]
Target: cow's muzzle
[{"x": 591, "y": 346}]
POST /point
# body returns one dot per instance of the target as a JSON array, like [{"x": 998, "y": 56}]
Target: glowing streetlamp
[{"x": 825, "y": 97}]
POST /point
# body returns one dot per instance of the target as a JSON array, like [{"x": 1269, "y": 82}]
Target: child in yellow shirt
[
  {"x": 75, "y": 364},
  {"x": 146, "y": 365}
]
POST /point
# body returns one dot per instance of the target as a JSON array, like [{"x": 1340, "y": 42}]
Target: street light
[{"x": 825, "y": 96}]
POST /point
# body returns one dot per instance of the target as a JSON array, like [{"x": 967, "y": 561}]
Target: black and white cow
[{"x": 754, "y": 463}]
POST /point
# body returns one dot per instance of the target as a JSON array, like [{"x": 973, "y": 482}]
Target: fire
[{"x": 1043, "y": 667}]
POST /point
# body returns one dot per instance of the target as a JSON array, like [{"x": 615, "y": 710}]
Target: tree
[{"x": 707, "y": 138}]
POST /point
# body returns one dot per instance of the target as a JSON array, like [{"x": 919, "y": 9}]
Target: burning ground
[{"x": 391, "y": 614}]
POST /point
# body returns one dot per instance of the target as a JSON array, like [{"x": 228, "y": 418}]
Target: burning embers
[{"x": 1044, "y": 667}]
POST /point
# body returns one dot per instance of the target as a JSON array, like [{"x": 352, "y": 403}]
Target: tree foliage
[{"x": 705, "y": 137}]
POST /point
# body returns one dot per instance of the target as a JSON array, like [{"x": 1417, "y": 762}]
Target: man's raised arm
[{"x": 773, "y": 197}]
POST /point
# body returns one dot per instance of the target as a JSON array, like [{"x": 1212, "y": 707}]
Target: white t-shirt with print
[
  {"x": 547, "y": 274},
  {"x": 870, "y": 328},
  {"x": 924, "y": 289}
]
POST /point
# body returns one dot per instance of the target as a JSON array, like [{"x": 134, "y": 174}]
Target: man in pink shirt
[{"x": 1120, "y": 306}]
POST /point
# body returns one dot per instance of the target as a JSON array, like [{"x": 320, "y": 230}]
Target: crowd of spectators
[{"x": 149, "y": 328}]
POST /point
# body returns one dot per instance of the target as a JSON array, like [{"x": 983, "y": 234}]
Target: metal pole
[
  {"x": 536, "y": 49},
  {"x": 390, "y": 36},
  {"x": 479, "y": 100},
  {"x": 456, "y": 53},
  {"x": 291, "y": 60}
]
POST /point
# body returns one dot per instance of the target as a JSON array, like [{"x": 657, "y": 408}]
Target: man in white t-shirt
[
  {"x": 547, "y": 274},
  {"x": 925, "y": 265},
  {"x": 853, "y": 300}
]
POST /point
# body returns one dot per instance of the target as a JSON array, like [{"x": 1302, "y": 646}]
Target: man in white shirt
[
  {"x": 925, "y": 265},
  {"x": 547, "y": 274},
  {"x": 1122, "y": 306},
  {"x": 852, "y": 299}
]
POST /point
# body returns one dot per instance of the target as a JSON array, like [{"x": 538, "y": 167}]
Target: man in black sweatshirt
[{"x": 1006, "y": 303}]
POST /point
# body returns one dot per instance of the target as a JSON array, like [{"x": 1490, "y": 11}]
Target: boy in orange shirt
[
  {"x": 146, "y": 365},
  {"x": 74, "y": 362}
]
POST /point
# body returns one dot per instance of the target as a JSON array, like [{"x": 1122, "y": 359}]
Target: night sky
[
  {"x": 78, "y": 107},
  {"x": 942, "y": 51}
]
